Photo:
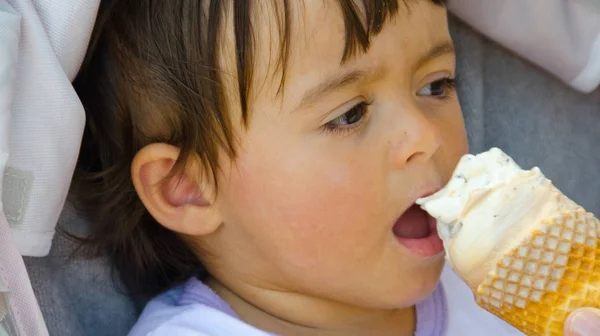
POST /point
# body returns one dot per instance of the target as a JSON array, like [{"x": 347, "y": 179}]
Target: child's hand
[{"x": 583, "y": 322}]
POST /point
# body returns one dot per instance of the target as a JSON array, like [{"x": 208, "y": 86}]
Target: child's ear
[{"x": 182, "y": 203}]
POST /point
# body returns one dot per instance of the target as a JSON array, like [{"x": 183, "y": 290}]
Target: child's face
[{"x": 310, "y": 202}]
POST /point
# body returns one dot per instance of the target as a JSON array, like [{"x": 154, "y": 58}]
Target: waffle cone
[{"x": 554, "y": 270}]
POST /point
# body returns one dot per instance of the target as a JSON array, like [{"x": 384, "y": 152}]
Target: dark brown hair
[{"x": 152, "y": 75}]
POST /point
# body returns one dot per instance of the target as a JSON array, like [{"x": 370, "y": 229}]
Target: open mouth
[
  {"x": 413, "y": 224},
  {"x": 416, "y": 230}
]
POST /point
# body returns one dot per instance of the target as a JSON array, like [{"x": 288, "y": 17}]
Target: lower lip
[{"x": 429, "y": 246}]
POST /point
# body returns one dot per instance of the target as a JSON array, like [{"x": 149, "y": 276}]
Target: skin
[
  {"x": 299, "y": 240},
  {"x": 583, "y": 322}
]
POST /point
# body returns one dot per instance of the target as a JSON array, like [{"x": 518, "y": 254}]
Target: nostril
[{"x": 414, "y": 156}]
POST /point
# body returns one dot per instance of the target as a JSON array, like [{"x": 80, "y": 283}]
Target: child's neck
[{"x": 292, "y": 314}]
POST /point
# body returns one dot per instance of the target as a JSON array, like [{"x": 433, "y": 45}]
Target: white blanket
[
  {"x": 46, "y": 118},
  {"x": 561, "y": 36},
  {"x": 42, "y": 44}
]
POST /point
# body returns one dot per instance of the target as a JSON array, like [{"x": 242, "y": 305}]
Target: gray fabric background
[{"x": 507, "y": 103}]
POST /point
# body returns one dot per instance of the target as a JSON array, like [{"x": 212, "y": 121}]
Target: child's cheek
[
  {"x": 311, "y": 209},
  {"x": 326, "y": 219}
]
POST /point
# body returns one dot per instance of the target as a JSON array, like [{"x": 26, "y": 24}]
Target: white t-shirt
[{"x": 194, "y": 310}]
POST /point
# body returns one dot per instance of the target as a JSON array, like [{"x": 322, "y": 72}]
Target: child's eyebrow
[
  {"x": 336, "y": 82},
  {"x": 356, "y": 75},
  {"x": 438, "y": 50}
]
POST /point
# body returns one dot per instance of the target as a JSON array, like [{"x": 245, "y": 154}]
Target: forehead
[{"x": 317, "y": 39}]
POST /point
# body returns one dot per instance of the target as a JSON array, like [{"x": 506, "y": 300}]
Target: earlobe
[{"x": 180, "y": 202}]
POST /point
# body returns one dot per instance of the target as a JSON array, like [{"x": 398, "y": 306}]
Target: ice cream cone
[
  {"x": 554, "y": 271},
  {"x": 530, "y": 254}
]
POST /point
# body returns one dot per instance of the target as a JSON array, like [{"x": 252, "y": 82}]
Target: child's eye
[
  {"x": 350, "y": 120},
  {"x": 439, "y": 89}
]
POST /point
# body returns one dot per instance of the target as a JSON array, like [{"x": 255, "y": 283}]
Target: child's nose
[{"x": 418, "y": 138}]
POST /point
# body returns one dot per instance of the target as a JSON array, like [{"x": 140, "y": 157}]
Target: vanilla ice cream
[{"x": 488, "y": 207}]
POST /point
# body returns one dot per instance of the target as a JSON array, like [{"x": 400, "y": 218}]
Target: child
[{"x": 259, "y": 162}]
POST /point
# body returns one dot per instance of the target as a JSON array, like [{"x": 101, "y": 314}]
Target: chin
[{"x": 416, "y": 285}]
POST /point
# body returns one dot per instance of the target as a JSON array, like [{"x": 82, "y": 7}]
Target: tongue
[{"x": 413, "y": 224}]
